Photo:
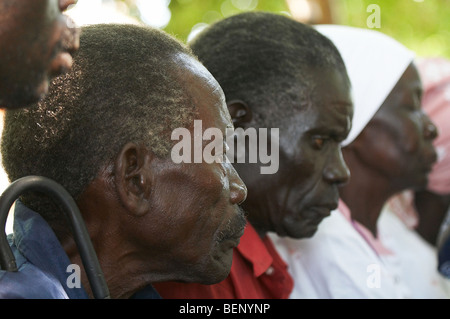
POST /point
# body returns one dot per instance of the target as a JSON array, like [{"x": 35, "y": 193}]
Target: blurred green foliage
[
  {"x": 421, "y": 25},
  {"x": 188, "y": 13}
]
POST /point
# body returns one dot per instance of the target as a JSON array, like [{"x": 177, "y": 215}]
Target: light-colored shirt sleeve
[{"x": 338, "y": 263}]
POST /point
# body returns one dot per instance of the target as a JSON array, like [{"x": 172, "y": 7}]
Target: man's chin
[
  {"x": 25, "y": 96},
  {"x": 220, "y": 267},
  {"x": 299, "y": 232}
]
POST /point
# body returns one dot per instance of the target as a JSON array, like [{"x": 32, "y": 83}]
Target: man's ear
[
  {"x": 133, "y": 178},
  {"x": 240, "y": 112}
]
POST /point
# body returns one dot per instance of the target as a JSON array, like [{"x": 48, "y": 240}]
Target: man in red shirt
[
  {"x": 277, "y": 73},
  {"x": 257, "y": 272}
]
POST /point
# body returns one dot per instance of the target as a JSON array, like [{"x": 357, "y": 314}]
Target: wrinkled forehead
[{"x": 204, "y": 91}]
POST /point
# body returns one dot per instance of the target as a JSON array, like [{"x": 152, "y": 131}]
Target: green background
[{"x": 423, "y": 26}]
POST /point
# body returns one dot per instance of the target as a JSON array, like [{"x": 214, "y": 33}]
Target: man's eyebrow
[
  {"x": 322, "y": 128},
  {"x": 331, "y": 131}
]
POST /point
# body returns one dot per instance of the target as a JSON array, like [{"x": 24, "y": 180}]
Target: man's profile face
[
  {"x": 36, "y": 40},
  {"x": 295, "y": 200},
  {"x": 200, "y": 221}
]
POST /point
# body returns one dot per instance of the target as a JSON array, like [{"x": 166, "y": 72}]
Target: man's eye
[{"x": 318, "y": 142}]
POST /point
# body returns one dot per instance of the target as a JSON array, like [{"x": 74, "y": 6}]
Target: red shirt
[{"x": 257, "y": 272}]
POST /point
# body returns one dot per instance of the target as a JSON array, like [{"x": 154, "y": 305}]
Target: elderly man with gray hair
[{"x": 104, "y": 133}]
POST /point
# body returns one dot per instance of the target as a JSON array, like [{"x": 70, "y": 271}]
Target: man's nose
[
  {"x": 238, "y": 190},
  {"x": 336, "y": 170}
]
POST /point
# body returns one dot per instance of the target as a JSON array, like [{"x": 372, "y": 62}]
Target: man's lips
[
  {"x": 235, "y": 228},
  {"x": 61, "y": 63},
  {"x": 319, "y": 212},
  {"x": 237, "y": 237},
  {"x": 70, "y": 43},
  {"x": 232, "y": 241}
]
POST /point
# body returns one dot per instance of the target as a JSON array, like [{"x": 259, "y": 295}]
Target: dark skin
[
  {"x": 293, "y": 201},
  {"x": 430, "y": 223},
  {"x": 394, "y": 152},
  {"x": 153, "y": 220},
  {"x": 37, "y": 41}
]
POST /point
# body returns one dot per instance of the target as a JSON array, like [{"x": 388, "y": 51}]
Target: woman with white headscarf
[
  {"x": 389, "y": 149},
  {"x": 424, "y": 212}
]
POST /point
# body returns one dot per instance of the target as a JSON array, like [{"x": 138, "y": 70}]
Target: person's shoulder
[{"x": 29, "y": 282}]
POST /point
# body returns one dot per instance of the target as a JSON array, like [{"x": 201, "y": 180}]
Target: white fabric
[
  {"x": 374, "y": 61},
  {"x": 418, "y": 259},
  {"x": 338, "y": 263}
]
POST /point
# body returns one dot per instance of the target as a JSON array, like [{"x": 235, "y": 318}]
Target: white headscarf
[{"x": 374, "y": 61}]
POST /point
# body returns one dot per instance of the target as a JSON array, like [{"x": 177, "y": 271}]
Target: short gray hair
[{"x": 123, "y": 87}]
